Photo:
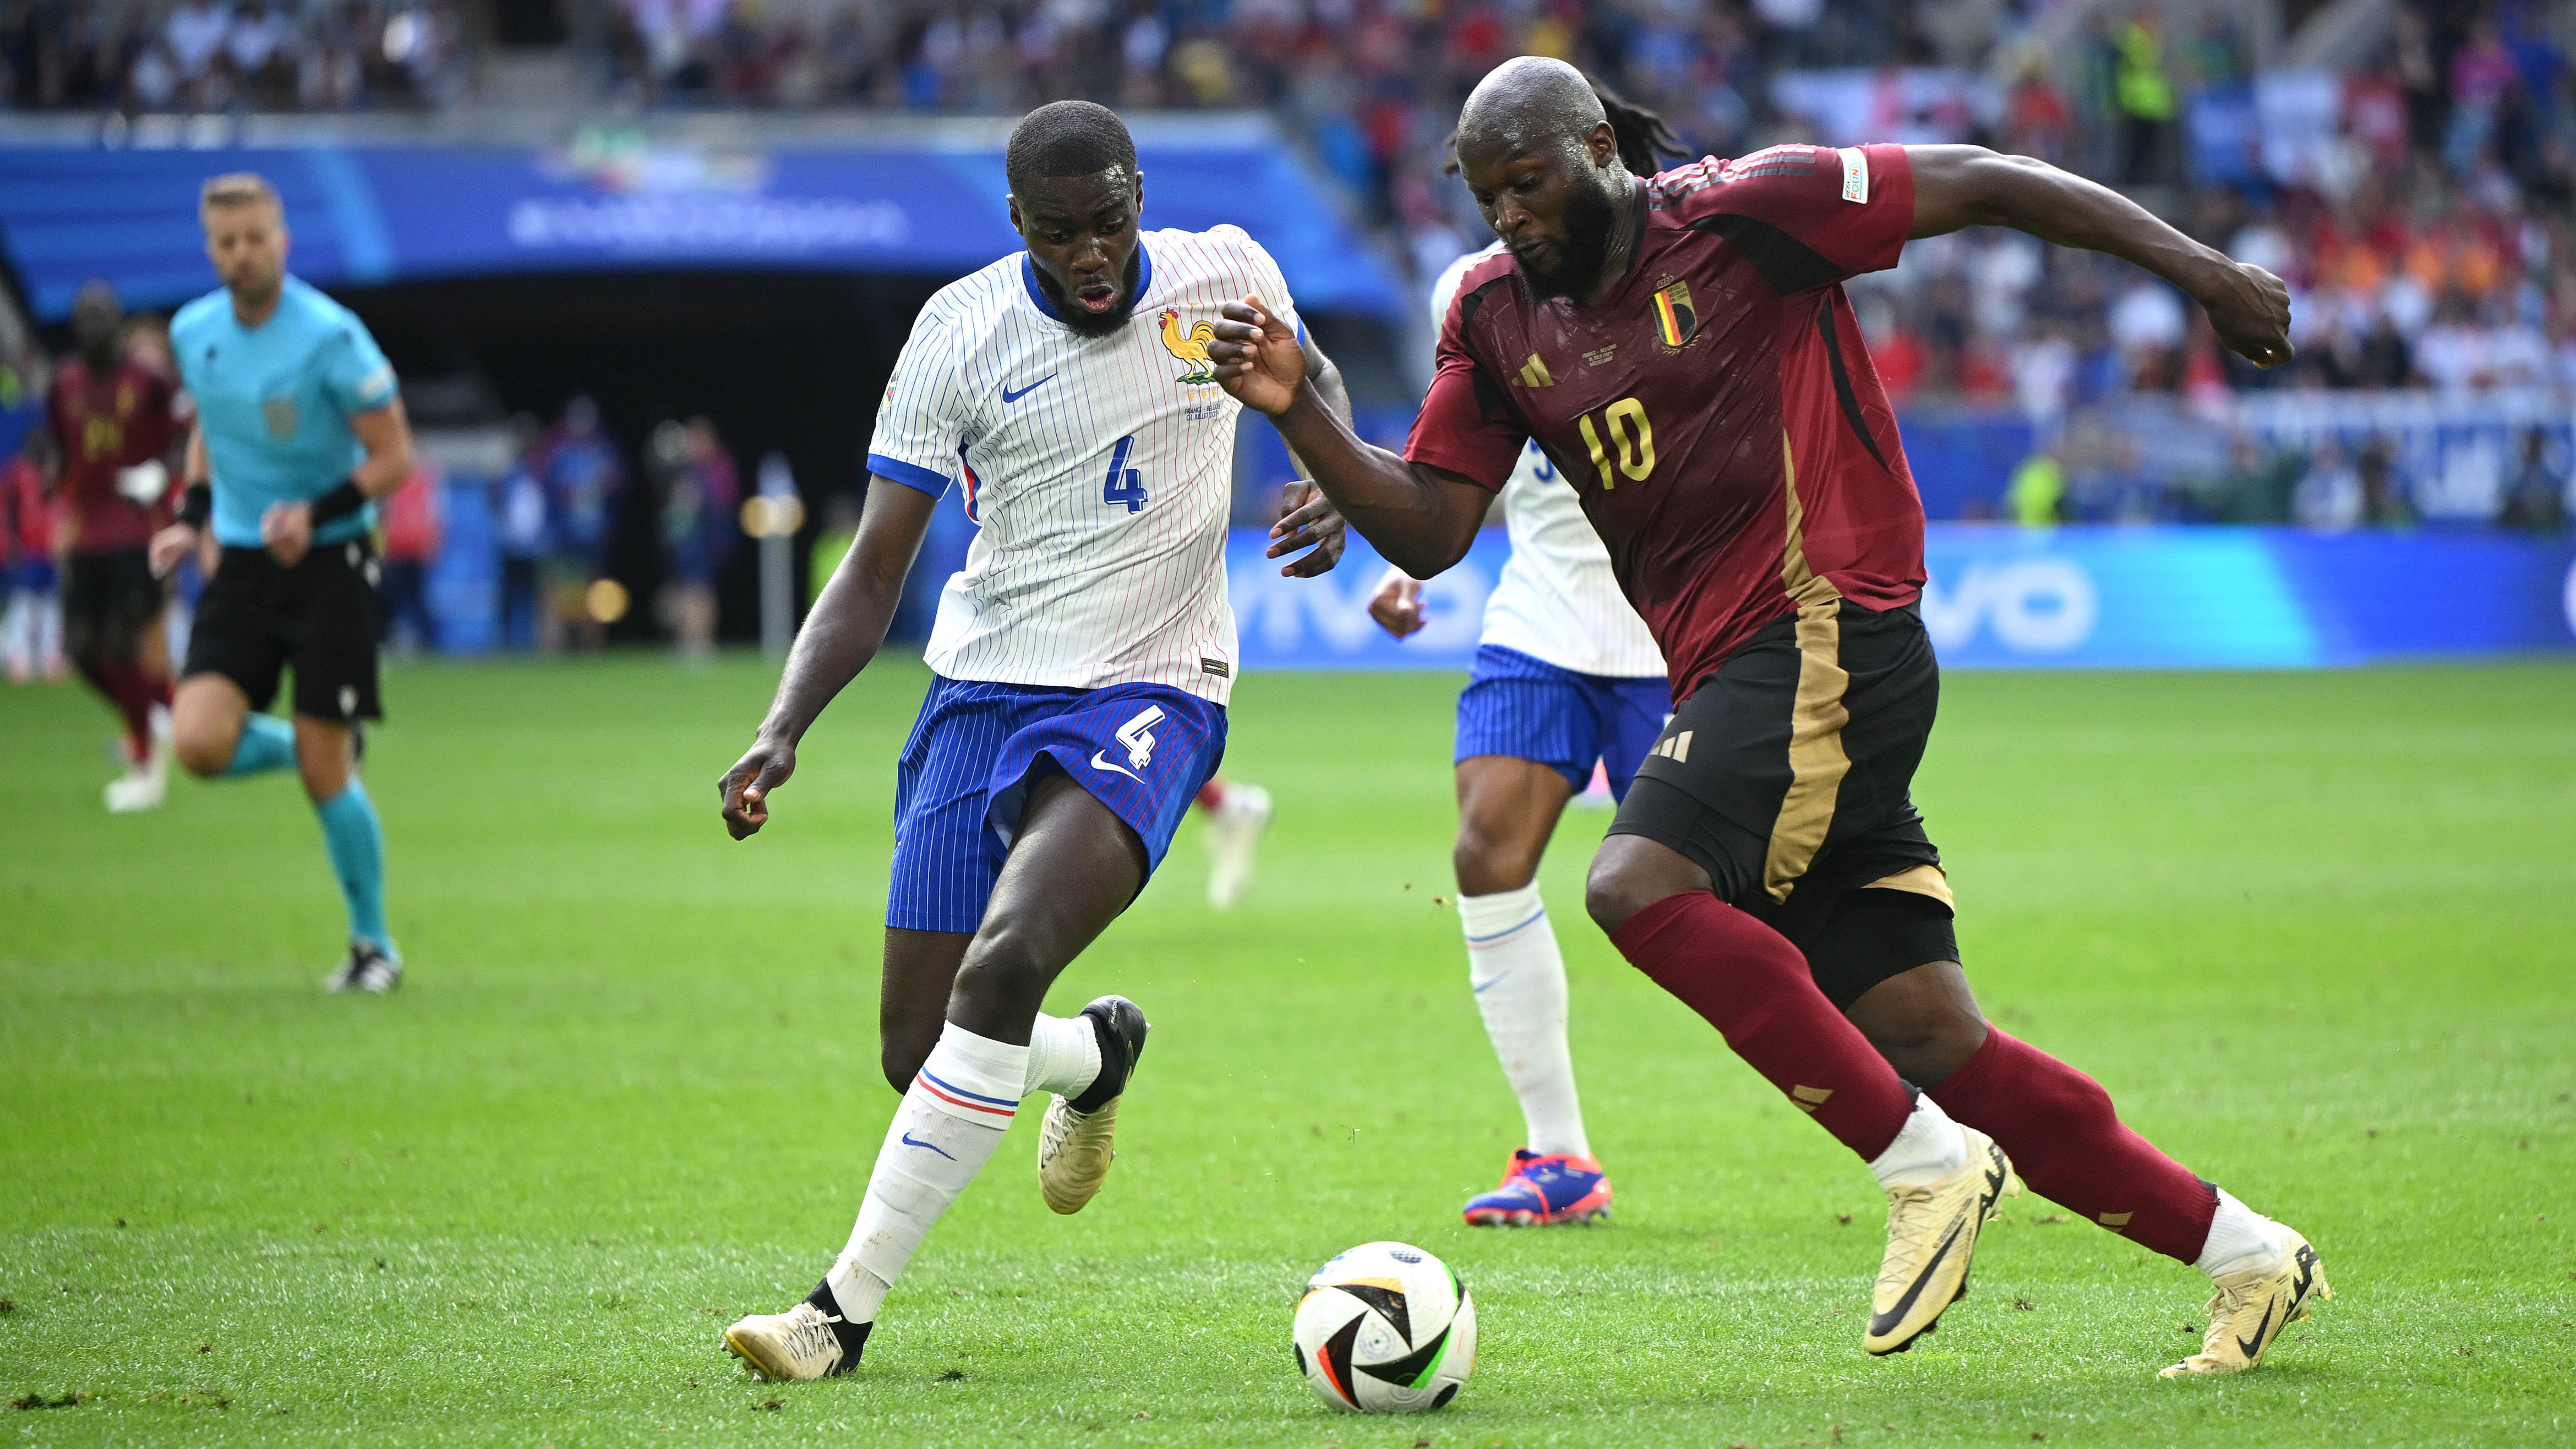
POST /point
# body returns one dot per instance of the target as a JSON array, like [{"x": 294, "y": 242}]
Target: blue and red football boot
[{"x": 1557, "y": 1187}]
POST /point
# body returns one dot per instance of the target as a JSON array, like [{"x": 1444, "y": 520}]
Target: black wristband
[
  {"x": 197, "y": 504},
  {"x": 340, "y": 502}
]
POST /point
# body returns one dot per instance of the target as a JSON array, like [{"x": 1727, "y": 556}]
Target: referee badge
[
  {"x": 279, "y": 414},
  {"x": 1675, "y": 323}
]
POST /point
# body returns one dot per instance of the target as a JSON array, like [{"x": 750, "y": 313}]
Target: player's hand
[
  {"x": 744, "y": 790},
  {"x": 1397, "y": 604},
  {"x": 287, "y": 530},
  {"x": 1257, "y": 357},
  {"x": 2250, "y": 309},
  {"x": 171, "y": 545},
  {"x": 1310, "y": 522}
]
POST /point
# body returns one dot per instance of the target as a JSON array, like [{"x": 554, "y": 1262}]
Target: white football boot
[
  {"x": 796, "y": 1346},
  {"x": 1234, "y": 834}
]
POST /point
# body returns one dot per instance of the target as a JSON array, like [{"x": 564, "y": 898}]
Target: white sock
[
  {"x": 1928, "y": 1148},
  {"x": 2240, "y": 1239},
  {"x": 1064, "y": 1055},
  {"x": 18, "y": 631},
  {"x": 1519, "y": 977},
  {"x": 951, "y": 1119}
]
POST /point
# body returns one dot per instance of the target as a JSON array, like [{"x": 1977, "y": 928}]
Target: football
[{"x": 1385, "y": 1328}]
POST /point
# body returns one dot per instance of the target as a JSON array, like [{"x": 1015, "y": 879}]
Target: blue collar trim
[{"x": 1038, "y": 296}]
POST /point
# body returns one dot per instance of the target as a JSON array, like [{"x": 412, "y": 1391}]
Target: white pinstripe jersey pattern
[
  {"x": 1087, "y": 572},
  {"x": 1558, "y": 599}
]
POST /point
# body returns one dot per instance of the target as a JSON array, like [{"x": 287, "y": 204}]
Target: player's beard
[
  {"x": 1086, "y": 323},
  {"x": 1590, "y": 212}
]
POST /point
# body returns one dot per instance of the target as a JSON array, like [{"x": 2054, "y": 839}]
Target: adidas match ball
[{"x": 1386, "y": 1328}]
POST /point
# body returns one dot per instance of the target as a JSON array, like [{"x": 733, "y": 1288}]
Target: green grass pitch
[{"x": 2317, "y": 934}]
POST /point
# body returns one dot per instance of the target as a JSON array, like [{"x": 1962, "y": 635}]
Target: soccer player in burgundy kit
[
  {"x": 113, "y": 434},
  {"x": 1682, "y": 349}
]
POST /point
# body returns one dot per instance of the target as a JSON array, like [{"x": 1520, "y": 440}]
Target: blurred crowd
[
  {"x": 560, "y": 509},
  {"x": 219, "y": 55},
  {"x": 561, "y": 558}
]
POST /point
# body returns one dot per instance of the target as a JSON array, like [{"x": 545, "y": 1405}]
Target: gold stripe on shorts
[
  {"x": 1922, "y": 880},
  {"x": 1817, "y": 763}
]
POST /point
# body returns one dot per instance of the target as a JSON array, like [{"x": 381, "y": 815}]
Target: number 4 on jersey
[{"x": 1125, "y": 484}]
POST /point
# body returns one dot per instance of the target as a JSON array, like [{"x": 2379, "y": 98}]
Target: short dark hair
[{"x": 1069, "y": 138}]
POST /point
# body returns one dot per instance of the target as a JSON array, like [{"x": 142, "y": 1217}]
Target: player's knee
[
  {"x": 1924, "y": 1034},
  {"x": 1487, "y": 861},
  {"x": 202, "y": 752},
  {"x": 1632, "y": 873},
  {"x": 1005, "y": 970}
]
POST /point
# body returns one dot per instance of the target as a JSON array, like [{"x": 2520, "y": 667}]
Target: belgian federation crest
[
  {"x": 279, "y": 414},
  {"x": 1190, "y": 347},
  {"x": 1675, "y": 322}
]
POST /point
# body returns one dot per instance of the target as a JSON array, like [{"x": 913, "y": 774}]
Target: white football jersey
[
  {"x": 1100, "y": 468},
  {"x": 1558, "y": 600}
]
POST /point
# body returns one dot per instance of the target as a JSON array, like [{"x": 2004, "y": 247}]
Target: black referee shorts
[
  {"x": 109, "y": 600},
  {"x": 256, "y": 618},
  {"x": 1786, "y": 775}
]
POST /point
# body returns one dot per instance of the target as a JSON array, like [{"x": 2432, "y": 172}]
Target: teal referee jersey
[{"x": 274, "y": 403}]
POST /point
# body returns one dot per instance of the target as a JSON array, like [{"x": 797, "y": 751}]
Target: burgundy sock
[
  {"x": 134, "y": 693},
  {"x": 1754, "y": 987},
  {"x": 2069, "y": 1144}
]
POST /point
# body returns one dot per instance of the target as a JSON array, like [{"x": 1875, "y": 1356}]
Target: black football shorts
[
  {"x": 109, "y": 600},
  {"x": 1787, "y": 776},
  {"x": 256, "y": 618}
]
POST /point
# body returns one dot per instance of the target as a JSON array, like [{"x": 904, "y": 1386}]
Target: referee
[{"x": 299, "y": 429}]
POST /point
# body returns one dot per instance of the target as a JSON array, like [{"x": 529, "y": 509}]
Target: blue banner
[
  {"x": 2090, "y": 598},
  {"x": 365, "y": 215}
]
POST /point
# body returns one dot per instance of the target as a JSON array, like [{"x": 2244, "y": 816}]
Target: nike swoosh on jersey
[
  {"x": 911, "y": 1141},
  {"x": 1098, "y": 763},
  {"x": 1009, "y": 396}
]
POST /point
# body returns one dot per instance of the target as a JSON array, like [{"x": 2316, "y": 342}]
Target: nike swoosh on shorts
[{"x": 1098, "y": 763}]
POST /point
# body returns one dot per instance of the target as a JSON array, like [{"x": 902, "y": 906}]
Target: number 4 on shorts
[{"x": 1125, "y": 484}]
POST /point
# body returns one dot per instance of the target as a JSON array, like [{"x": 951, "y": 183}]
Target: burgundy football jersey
[
  {"x": 1717, "y": 412},
  {"x": 103, "y": 424}
]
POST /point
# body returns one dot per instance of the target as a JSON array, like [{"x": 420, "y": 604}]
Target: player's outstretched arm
[
  {"x": 840, "y": 636},
  {"x": 1963, "y": 186},
  {"x": 1421, "y": 519}
]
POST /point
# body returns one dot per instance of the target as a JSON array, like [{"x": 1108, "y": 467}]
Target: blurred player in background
[
  {"x": 31, "y": 601},
  {"x": 1082, "y": 663},
  {"x": 1684, "y": 351},
  {"x": 111, "y": 424},
  {"x": 578, "y": 465},
  {"x": 1566, "y": 681},
  {"x": 299, "y": 429}
]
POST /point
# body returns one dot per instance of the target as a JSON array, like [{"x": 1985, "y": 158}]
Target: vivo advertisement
[{"x": 2081, "y": 598}]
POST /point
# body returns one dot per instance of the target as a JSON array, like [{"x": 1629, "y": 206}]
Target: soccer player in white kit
[
  {"x": 1083, "y": 659},
  {"x": 1566, "y": 677}
]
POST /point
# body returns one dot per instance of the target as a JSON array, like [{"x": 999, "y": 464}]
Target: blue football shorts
[
  {"x": 1143, "y": 750},
  {"x": 1532, "y": 710}
]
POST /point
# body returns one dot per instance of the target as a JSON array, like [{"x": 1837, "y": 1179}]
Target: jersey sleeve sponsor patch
[{"x": 1855, "y": 174}]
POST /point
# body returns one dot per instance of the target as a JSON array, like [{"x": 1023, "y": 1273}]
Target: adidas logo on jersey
[{"x": 1534, "y": 373}]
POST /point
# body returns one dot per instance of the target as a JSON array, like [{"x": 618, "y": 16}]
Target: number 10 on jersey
[
  {"x": 1125, "y": 484},
  {"x": 1632, "y": 438}
]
